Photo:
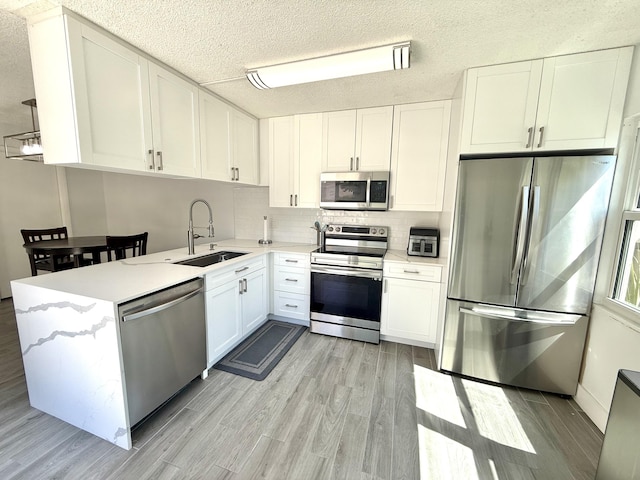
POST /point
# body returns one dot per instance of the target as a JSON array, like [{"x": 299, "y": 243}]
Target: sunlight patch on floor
[
  {"x": 494, "y": 416},
  {"x": 443, "y": 458},
  {"x": 435, "y": 394}
]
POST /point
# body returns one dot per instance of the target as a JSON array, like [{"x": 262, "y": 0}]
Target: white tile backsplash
[{"x": 295, "y": 224}]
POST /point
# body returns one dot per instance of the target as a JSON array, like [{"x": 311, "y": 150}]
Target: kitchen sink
[{"x": 211, "y": 259}]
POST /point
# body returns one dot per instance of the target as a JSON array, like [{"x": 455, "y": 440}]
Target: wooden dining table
[{"x": 75, "y": 246}]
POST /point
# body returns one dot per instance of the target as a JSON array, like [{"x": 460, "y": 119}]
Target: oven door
[{"x": 346, "y": 296}]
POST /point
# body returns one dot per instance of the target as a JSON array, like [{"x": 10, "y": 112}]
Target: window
[{"x": 626, "y": 287}]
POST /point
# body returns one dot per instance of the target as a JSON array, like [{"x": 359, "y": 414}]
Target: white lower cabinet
[
  {"x": 410, "y": 302},
  {"x": 291, "y": 285},
  {"x": 236, "y": 303}
]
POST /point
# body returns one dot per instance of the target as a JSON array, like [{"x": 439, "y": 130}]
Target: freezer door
[
  {"x": 537, "y": 350},
  {"x": 489, "y": 229},
  {"x": 569, "y": 201}
]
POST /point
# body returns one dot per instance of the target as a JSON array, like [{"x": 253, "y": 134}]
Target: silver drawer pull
[
  {"x": 242, "y": 269},
  {"x": 291, "y": 261},
  {"x": 290, "y": 306},
  {"x": 291, "y": 279},
  {"x": 411, "y": 271}
]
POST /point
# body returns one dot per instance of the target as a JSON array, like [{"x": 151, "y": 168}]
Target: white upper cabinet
[
  {"x": 102, "y": 104},
  {"x": 244, "y": 147},
  {"x": 357, "y": 140},
  {"x": 568, "y": 102},
  {"x": 93, "y": 97},
  {"x": 175, "y": 123},
  {"x": 295, "y": 146},
  {"x": 419, "y": 155},
  {"x": 215, "y": 138},
  {"x": 228, "y": 141}
]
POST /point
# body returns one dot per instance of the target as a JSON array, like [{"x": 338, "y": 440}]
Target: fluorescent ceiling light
[{"x": 359, "y": 62}]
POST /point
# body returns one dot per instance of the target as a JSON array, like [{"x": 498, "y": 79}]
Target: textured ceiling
[{"x": 213, "y": 40}]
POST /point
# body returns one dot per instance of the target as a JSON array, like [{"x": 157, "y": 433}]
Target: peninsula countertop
[{"x": 130, "y": 278}]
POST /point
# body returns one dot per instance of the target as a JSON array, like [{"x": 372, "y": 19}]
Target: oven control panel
[{"x": 356, "y": 231}]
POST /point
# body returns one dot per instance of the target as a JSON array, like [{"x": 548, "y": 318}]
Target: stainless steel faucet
[{"x": 192, "y": 236}]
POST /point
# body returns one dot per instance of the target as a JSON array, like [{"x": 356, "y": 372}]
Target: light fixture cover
[{"x": 359, "y": 62}]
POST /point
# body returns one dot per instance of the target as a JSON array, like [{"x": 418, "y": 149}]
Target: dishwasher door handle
[{"x": 159, "y": 308}]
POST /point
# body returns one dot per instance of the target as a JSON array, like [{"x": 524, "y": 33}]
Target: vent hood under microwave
[{"x": 354, "y": 190}]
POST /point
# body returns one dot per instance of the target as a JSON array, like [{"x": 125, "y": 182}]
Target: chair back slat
[{"x": 118, "y": 246}]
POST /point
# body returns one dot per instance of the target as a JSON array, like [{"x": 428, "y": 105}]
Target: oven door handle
[{"x": 375, "y": 275}]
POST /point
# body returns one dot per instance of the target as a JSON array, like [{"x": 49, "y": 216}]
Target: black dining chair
[
  {"x": 41, "y": 261},
  {"x": 119, "y": 245}
]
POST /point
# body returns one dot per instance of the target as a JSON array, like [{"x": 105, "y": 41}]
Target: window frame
[{"x": 627, "y": 211}]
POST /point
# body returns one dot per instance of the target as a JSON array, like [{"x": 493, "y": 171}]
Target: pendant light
[{"x": 27, "y": 145}]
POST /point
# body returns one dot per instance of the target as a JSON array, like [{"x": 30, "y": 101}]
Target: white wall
[
  {"x": 28, "y": 199},
  {"x": 613, "y": 342},
  {"x": 125, "y": 204}
]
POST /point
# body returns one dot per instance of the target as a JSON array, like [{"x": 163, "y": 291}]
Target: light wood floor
[{"x": 332, "y": 408}]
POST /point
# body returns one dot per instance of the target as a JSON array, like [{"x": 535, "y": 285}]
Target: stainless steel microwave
[{"x": 354, "y": 190}]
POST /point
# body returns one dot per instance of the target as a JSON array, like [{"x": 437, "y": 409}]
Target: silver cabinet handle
[
  {"x": 290, "y": 306},
  {"x": 242, "y": 269},
  {"x": 244, "y": 281},
  {"x": 152, "y": 165},
  {"x": 288, "y": 260},
  {"x": 291, "y": 200},
  {"x": 237, "y": 174},
  {"x": 351, "y": 164},
  {"x": 233, "y": 174},
  {"x": 291, "y": 280},
  {"x": 541, "y": 135},
  {"x": 357, "y": 163},
  {"x": 384, "y": 288},
  {"x": 159, "y": 154},
  {"x": 529, "y": 137},
  {"x": 296, "y": 200},
  {"x": 240, "y": 286},
  {"x": 411, "y": 271}
]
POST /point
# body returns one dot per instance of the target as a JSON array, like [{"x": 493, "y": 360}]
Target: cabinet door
[
  {"x": 281, "y": 158},
  {"x": 419, "y": 155},
  {"x": 307, "y": 160},
  {"x": 338, "y": 141},
  {"x": 214, "y": 138},
  {"x": 110, "y": 83},
  {"x": 174, "y": 117},
  {"x": 244, "y": 147},
  {"x": 224, "y": 321},
  {"x": 373, "y": 139},
  {"x": 500, "y": 106},
  {"x": 582, "y": 99},
  {"x": 410, "y": 309},
  {"x": 254, "y": 300}
]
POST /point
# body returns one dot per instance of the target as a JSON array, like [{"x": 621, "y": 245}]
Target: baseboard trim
[
  {"x": 592, "y": 407},
  {"x": 406, "y": 341},
  {"x": 294, "y": 321}
]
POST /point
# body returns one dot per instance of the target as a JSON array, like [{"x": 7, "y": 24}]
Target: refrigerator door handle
[
  {"x": 540, "y": 318},
  {"x": 520, "y": 233},
  {"x": 535, "y": 213}
]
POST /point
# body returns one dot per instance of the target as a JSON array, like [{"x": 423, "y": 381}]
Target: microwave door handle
[{"x": 368, "y": 192}]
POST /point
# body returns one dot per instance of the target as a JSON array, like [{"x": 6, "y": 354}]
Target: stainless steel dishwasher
[{"x": 163, "y": 345}]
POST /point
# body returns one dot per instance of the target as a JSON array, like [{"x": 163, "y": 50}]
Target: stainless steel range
[{"x": 346, "y": 282}]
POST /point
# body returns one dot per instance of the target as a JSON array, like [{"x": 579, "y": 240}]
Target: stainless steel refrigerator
[{"x": 526, "y": 243}]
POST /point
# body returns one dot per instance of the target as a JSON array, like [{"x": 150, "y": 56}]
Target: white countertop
[{"x": 127, "y": 279}]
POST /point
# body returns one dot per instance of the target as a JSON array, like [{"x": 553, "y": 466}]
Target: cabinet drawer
[
  {"x": 292, "y": 259},
  {"x": 291, "y": 305},
  {"x": 233, "y": 272},
  {"x": 412, "y": 271},
  {"x": 292, "y": 279}
]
